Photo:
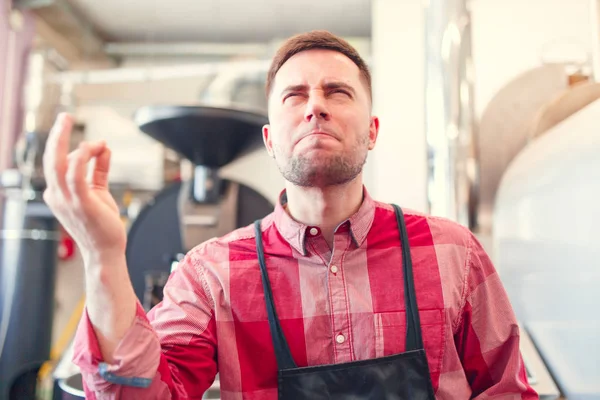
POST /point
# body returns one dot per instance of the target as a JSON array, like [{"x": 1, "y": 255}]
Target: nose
[{"x": 316, "y": 107}]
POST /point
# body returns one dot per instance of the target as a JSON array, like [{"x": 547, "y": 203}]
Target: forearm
[
  {"x": 110, "y": 301},
  {"x": 138, "y": 366},
  {"x": 115, "y": 346}
]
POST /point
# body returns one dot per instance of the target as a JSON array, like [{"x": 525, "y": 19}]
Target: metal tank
[{"x": 545, "y": 240}]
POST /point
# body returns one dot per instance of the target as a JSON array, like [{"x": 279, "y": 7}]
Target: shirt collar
[{"x": 295, "y": 232}]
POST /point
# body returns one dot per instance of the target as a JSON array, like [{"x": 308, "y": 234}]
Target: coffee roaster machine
[{"x": 188, "y": 212}]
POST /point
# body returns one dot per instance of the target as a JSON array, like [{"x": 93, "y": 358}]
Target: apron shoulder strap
[
  {"x": 414, "y": 339},
  {"x": 282, "y": 350}
]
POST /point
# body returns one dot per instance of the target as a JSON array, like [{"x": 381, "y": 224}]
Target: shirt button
[
  {"x": 314, "y": 231},
  {"x": 334, "y": 269},
  {"x": 340, "y": 339}
]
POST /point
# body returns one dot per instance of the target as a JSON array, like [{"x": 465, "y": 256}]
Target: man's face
[{"x": 321, "y": 127}]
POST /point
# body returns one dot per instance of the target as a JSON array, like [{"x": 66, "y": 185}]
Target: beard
[{"x": 332, "y": 170}]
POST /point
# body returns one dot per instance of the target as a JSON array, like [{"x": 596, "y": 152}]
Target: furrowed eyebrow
[
  {"x": 295, "y": 88},
  {"x": 339, "y": 85},
  {"x": 327, "y": 86}
]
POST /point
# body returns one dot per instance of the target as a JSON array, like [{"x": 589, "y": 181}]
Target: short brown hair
[{"x": 318, "y": 39}]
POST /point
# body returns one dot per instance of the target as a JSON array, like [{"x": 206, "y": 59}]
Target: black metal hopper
[{"x": 207, "y": 136}]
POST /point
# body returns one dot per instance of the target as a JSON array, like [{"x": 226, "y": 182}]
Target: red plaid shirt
[{"x": 335, "y": 305}]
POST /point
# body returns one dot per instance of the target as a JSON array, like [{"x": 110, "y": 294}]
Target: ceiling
[{"x": 222, "y": 21}]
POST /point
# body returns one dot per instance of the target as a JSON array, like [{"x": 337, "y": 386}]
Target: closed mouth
[{"x": 317, "y": 133}]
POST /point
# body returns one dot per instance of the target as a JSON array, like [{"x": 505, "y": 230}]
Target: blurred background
[{"x": 489, "y": 116}]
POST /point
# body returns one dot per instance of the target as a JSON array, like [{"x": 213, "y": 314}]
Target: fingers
[
  {"x": 55, "y": 154},
  {"x": 76, "y": 174},
  {"x": 77, "y": 170},
  {"x": 66, "y": 174},
  {"x": 100, "y": 175}
]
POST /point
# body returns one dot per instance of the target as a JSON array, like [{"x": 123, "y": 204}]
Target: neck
[{"x": 324, "y": 207}]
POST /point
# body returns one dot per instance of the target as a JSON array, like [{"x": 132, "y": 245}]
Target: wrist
[{"x": 103, "y": 259}]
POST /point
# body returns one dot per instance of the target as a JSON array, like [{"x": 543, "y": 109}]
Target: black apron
[{"x": 397, "y": 377}]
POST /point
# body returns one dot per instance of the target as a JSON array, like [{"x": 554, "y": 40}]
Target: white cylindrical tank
[{"x": 547, "y": 247}]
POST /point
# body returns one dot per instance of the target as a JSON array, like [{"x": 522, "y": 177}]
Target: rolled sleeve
[{"x": 136, "y": 357}]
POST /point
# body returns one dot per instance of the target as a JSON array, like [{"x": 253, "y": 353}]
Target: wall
[{"x": 396, "y": 169}]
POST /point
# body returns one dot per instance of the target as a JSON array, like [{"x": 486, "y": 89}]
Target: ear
[
  {"x": 266, "y": 132},
  {"x": 373, "y": 132}
]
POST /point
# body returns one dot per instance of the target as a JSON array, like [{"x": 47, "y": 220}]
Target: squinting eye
[
  {"x": 290, "y": 95},
  {"x": 341, "y": 91}
]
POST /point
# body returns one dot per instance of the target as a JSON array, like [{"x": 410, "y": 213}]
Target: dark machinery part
[
  {"x": 210, "y": 137},
  {"x": 154, "y": 240},
  {"x": 207, "y": 136},
  {"x": 28, "y": 249}
]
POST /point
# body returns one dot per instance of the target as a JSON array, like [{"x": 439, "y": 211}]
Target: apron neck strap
[
  {"x": 414, "y": 339},
  {"x": 282, "y": 350}
]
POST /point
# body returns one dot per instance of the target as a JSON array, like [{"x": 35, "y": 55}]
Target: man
[{"x": 383, "y": 304}]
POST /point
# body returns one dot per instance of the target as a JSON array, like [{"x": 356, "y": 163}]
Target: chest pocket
[{"x": 390, "y": 336}]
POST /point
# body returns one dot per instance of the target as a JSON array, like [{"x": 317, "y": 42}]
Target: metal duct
[
  {"x": 43, "y": 98},
  {"x": 449, "y": 111},
  {"x": 42, "y": 101},
  {"x": 238, "y": 89}
]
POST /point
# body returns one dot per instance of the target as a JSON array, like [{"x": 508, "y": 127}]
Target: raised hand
[{"x": 85, "y": 208}]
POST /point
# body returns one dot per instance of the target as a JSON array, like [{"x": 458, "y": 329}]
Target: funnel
[{"x": 207, "y": 136}]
